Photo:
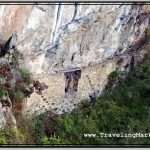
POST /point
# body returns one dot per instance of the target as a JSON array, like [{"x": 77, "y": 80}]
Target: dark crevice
[
  {"x": 72, "y": 58},
  {"x": 40, "y": 8},
  {"x": 75, "y": 11},
  {"x": 6, "y": 46},
  {"x": 71, "y": 83}
]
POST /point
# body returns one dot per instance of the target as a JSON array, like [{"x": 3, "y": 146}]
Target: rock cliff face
[
  {"x": 96, "y": 38},
  {"x": 54, "y": 37}
]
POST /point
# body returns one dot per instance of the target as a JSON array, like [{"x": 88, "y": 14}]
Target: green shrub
[
  {"x": 18, "y": 96},
  {"x": 1, "y": 95},
  {"x": 115, "y": 75},
  {"x": 11, "y": 136},
  {"x": 24, "y": 72},
  {"x": 15, "y": 56},
  {"x": 51, "y": 140},
  {"x": 3, "y": 138},
  {"x": 44, "y": 140},
  {"x": 37, "y": 129}
]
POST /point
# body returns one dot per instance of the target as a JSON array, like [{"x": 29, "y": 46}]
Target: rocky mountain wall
[
  {"x": 97, "y": 39},
  {"x": 55, "y": 37}
]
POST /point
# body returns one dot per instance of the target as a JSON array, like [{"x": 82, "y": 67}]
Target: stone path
[{"x": 54, "y": 98}]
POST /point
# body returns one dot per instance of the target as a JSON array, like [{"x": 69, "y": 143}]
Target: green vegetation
[
  {"x": 37, "y": 128},
  {"x": 125, "y": 109},
  {"x": 51, "y": 140},
  {"x": 115, "y": 75},
  {"x": 16, "y": 93},
  {"x": 14, "y": 82},
  {"x": 18, "y": 96},
  {"x": 1, "y": 95},
  {"x": 15, "y": 56},
  {"x": 11, "y": 136},
  {"x": 24, "y": 72},
  {"x": 26, "y": 77}
]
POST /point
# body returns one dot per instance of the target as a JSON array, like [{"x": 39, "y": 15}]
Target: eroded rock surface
[
  {"x": 95, "y": 38},
  {"x": 7, "y": 119},
  {"x": 55, "y": 37}
]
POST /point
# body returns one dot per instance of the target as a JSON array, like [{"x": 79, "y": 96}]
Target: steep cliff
[
  {"x": 95, "y": 38},
  {"x": 62, "y": 36}
]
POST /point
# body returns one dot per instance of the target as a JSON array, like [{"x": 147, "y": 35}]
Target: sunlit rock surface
[{"x": 90, "y": 37}]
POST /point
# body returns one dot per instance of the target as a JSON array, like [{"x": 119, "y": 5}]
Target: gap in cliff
[{"x": 71, "y": 81}]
